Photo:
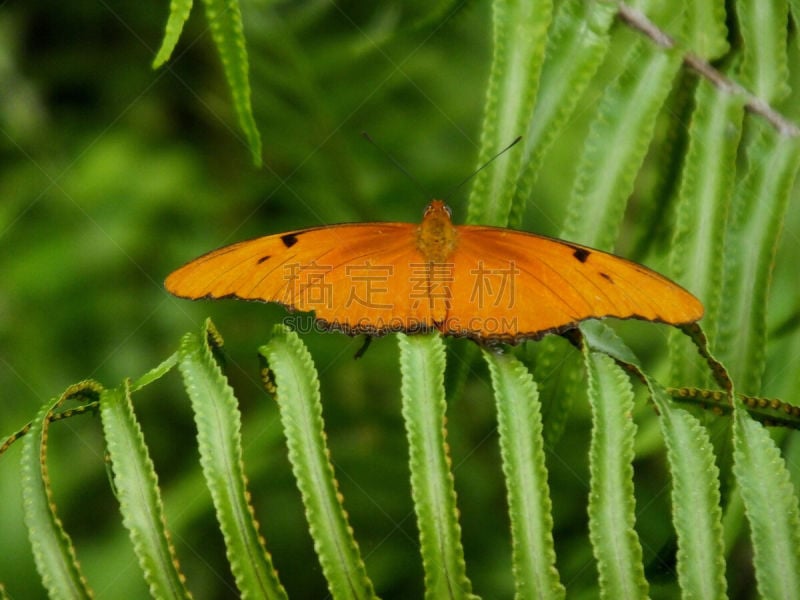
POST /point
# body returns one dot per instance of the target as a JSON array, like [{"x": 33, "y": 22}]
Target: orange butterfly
[{"x": 485, "y": 283}]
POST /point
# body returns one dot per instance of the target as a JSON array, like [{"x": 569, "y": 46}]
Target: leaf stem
[{"x": 753, "y": 103}]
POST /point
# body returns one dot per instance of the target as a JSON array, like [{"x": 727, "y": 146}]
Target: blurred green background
[{"x": 113, "y": 174}]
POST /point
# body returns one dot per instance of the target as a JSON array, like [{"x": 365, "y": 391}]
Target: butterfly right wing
[{"x": 512, "y": 285}]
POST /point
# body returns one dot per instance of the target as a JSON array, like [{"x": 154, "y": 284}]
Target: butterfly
[{"x": 490, "y": 284}]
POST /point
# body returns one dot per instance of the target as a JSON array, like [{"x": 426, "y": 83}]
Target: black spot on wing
[
  {"x": 289, "y": 240},
  {"x": 581, "y": 254},
  {"x": 606, "y": 276},
  {"x": 263, "y": 259}
]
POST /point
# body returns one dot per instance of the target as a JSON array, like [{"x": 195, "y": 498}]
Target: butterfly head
[{"x": 438, "y": 207}]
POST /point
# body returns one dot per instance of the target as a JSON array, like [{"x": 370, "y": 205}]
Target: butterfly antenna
[
  {"x": 484, "y": 165},
  {"x": 397, "y": 164}
]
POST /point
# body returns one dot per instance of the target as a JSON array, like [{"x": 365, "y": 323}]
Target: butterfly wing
[
  {"x": 357, "y": 278},
  {"x": 510, "y": 285},
  {"x": 496, "y": 285}
]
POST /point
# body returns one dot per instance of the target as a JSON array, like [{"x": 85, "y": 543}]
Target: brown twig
[{"x": 752, "y": 103}]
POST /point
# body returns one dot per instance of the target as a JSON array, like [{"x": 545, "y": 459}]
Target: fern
[
  {"x": 225, "y": 21},
  {"x": 301, "y": 412},
  {"x": 422, "y": 366},
  {"x": 52, "y": 546},
  {"x": 771, "y": 504},
  {"x": 572, "y": 499},
  {"x": 219, "y": 440},
  {"x": 529, "y": 505},
  {"x": 520, "y": 30},
  {"x": 136, "y": 485}
]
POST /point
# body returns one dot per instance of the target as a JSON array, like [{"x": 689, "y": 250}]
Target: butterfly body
[
  {"x": 437, "y": 237},
  {"x": 486, "y": 283}
]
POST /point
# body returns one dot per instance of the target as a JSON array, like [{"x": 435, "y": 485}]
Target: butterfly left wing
[
  {"x": 510, "y": 285},
  {"x": 355, "y": 277}
]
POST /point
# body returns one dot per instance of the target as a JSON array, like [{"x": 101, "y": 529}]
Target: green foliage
[
  {"x": 617, "y": 143},
  {"x": 771, "y": 503},
  {"x": 702, "y": 213},
  {"x": 697, "y": 516},
  {"x": 520, "y": 33},
  {"x": 52, "y": 547},
  {"x": 225, "y": 22},
  {"x": 611, "y": 501},
  {"x": 301, "y": 414},
  {"x": 758, "y": 208},
  {"x": 577, "y": 45},
  {"x": 519, "y": 425},
  {"x": 764, "y": 68},
  {"x": 705, "y": 32},
  {"x": 136, "y": 488},
  {"x": 422, "y": 368},
  {"x": 218, "y": 421},
  {"x": 178, "y": 13},
  {"x": 113, "y": 174}
]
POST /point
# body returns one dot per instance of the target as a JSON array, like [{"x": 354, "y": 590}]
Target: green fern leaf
[
  {"x": 617, "y": 143},
  {"x": 611, "y": 501},
  {"x": 219, "y": 440},
  {"x": 422, "y": 368},
  {"x": 301, "y": 414},
  {"x": 697, "y": 516},
  {"x": 52, "y": 546},
  {"x": 178, "y": 13},
  {"x": 764, "y": 68},
  {"x": 522, "y": 449},
  {"x": 757, "y": 214},
  {"x": 705, "y": 30},
  {"x": 225, "y": 21},
  {"x": 520, "y": 33},
  {"x": 137, "y": 490},
  {"x": 576, "y": 48},
  {"x": 772, "y": 509},
  {"x": 704, "y": 200}
]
